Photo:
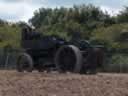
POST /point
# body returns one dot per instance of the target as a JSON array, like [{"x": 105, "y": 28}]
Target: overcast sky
[{"x": 22, "y": 10}]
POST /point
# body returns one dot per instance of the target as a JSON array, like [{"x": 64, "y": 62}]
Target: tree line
[{"x": 90, "y": 21}]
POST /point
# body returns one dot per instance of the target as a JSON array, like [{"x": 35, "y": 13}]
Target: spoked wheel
[
  {"x": 68, "y": 58},
  {"x": 24, "y": 63}
]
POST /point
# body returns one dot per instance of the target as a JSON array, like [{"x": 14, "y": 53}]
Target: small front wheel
[{"x": 24, "y": 63}]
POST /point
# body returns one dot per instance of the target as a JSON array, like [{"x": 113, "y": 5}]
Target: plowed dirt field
[{"x": 54, "y": 84}]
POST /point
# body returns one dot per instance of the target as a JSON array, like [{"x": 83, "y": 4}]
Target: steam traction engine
[{"x": 54, "y": 53}]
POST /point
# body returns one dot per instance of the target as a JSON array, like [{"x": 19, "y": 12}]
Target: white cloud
[
  {"x": 110, "y": 10},
  {"x": 18, "y": 10}
]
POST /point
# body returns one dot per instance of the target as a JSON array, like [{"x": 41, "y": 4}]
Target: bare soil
[{"x": 42, "y": 84}]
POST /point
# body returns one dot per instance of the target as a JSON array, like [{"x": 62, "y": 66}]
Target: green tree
[{"x": 123, "y": 16}]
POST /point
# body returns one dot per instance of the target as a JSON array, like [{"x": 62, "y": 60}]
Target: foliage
[
  {"x": 118, "y": 63},
  {"x": 88, "y": 20},
  {"x": 82, "y": 18},
  {"x": 111, "y": 36},
  {"x": 9, "y": 35},
  {"x": 123, "y": 16}
]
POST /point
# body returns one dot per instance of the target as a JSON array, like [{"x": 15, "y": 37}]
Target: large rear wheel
[{"x": 68, "y": 58}]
